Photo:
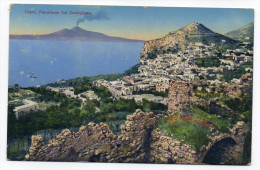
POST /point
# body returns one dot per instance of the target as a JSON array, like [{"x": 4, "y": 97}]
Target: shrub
[
  {"x": 208, "y": 62},
  {"x": 186, "y": 131},
  {"x": 192, "y": 128},
  {"x": 219, "y": 123}
]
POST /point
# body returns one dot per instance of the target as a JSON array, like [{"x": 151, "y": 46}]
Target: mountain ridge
[
  {"x": 191, "y": 33},
  {"x": 193, "y": 27},
  {"x": 75, "y": 33},
  {"x": 245, "y": 33}
]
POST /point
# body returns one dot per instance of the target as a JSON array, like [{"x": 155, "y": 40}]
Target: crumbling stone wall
[
  {"x": 97, "y": 143},
  {"x": 137, "y": 142},
  {"x": 180, "y": 94},
  {"x": 164, "y": 149}
]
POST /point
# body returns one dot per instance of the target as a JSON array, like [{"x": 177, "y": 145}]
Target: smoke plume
[{"x": 95, "y": 16}]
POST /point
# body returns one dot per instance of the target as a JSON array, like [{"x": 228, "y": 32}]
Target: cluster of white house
[
  {"x": 31, "y": 106},
  {"x": 155, "y": 74},
  {"x": 69, "y": 92},
  {"x": 124, "y": 89}
]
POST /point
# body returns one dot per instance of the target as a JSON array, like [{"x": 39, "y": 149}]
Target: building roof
[{"x": 27, "y": 103}]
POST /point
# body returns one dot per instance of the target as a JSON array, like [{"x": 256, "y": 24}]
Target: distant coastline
[{"x": 75, "y": 33}]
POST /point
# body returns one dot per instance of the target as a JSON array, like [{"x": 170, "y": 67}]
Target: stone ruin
[
  {"x": 138, "y": 142},
  {"x": 179, "y": 96},
  {"x": 97, "y": 143},
  {"x": 222, "y": 148}
]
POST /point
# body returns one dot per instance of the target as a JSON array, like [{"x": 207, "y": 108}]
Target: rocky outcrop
[
  {"x": 194, "y": 32},
  {"x": 222, "y": 148},
  {"x": 96, "y": 142},
  {"x": 138, "y": 142}
]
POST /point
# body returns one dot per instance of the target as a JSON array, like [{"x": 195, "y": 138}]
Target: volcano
[{"x": 75, "y": 33}]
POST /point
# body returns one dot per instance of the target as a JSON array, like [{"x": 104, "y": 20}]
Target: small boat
[{"x": 32, "y": 75}]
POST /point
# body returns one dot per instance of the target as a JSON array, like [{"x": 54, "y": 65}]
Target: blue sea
[{"x": 38, "y": 62}]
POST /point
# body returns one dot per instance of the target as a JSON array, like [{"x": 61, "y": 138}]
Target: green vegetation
[
  {"x": 82, "y": 83},
  {"x": 132, "y": 70},
  {"x": 102, "y": 92},
  {"x": 207, "y": 95},
  {"x": 211, "y": 78},
  {"x": 247, "y": 147},
  {"x": 12, "y": 90},
  {"x": 47, "y": 95},
  {"x": 69, "y": 112},
  {"x": 216, "y": 121},
  {"x": 81, "y": 88},
  {"x": 81, "y": 80},
  {"x": 235, "y": 74},
  {"x": 151, "y": 55},
  {"x": 160, "y": 50},
  {"x": 192, "y": 126},
  {"x": 208, "y": 62},
  {"x": 64, "y": 116},
  {"x": 241, "y": 33},
  {"x": 242, "y": 105},
  {"x": 17, "y": 149},
  {"x": 154, "y": 107},
  {"x": 247, "y": 65},
  {"x": 185, "y": 131},
  {"x": 217, "y": 40},
  {"x": 156, "y": 93},
  {"x": 171, "y": 50}
]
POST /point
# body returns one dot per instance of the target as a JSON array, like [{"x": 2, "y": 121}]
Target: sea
[{"x": 39, "y": 62}]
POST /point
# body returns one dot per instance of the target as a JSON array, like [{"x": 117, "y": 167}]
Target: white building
[{"x": 29, "y": 106}]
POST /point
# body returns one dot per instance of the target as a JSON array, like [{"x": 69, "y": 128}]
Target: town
[{"x": 155, "y": 74}]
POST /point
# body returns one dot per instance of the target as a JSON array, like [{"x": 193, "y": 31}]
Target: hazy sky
[{"x": 130, "y": 22}]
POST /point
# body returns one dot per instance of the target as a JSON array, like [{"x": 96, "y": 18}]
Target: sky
[{"x": 144, "y": 23}]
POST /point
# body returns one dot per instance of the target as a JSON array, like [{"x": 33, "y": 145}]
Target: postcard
[{"x": 126, "y": 84}]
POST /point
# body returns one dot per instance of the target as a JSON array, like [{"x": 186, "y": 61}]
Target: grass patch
[
  {"x": 192, "y": 128},
  {"x": 219, "y": 123},
  {"x": 185, "y": 131}
]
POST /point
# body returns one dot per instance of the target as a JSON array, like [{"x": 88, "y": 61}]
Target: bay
[{"x": 38, "y": 62}]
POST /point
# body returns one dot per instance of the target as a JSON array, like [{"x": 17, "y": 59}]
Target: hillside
[
  {"x": 192, "y": 33},
  {"x": 245, "y": 33},
  {"x": 75, "y": 33}
]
